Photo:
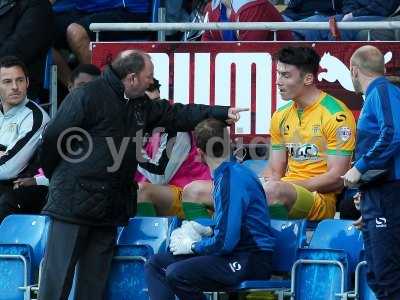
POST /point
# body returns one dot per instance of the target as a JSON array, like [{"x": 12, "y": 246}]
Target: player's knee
[
  {"x": 193, "y": 192},
  {"x": 145, "y": 193},
  {"x": 276, "y": 192},
  {"x": 273, "y": 189}
]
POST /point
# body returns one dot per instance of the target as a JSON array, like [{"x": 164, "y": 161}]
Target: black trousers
[
  {"x": 188, "y": 276},
  {"x": 90, "y": 249},
  {"x": 24, "y": 200},
  {"x": 380, "y": 209}
]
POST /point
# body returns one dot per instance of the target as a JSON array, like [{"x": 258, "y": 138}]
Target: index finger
[{"x": 241, "y": 109}]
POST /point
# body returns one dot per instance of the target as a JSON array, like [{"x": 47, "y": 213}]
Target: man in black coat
[
  {"x": 90, "y": 152},
  {"x": 26, "y": 31}
]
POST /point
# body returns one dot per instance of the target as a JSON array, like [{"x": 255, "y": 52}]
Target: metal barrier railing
[{"x": 273, "y": 26}]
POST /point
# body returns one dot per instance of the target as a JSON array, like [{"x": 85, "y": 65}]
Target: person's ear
[
  {"x": 308, "y": 79},
  {"x": 354, "y": 71}
]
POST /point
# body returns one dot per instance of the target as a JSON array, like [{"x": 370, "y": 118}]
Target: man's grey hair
[{"x": 129, "y": 61}]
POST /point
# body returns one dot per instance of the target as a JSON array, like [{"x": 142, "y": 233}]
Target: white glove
[
  {"x": 201, "y": 229},
  {"x": 181, "y": 246},
  {"x": 177, "y": 233},
  {"x": 190, "y": 231},
  {"x": 181, "y": 240},
  {"x": 352, "y": 177}
]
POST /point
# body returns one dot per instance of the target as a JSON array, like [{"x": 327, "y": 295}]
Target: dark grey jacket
[
  {"x": 87, "y": 190},
  {"x": 26, "y": 31}
]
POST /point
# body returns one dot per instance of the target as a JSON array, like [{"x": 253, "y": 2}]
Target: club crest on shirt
[{"x": 344, "y": 133}]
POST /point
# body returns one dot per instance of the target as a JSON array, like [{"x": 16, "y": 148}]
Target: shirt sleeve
[
  {"x": 277, "y": 142},
  {"x": 340, "y": 133},
  {"x": 388, "y": 143},
  {"x": 229, "y": 208},
  {"x": 18, "y": 153}
]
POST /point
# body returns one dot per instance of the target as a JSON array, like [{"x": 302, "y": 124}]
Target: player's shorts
[
  {"x": 312, "y": 205},
  {"x": 176, "y": 207}
]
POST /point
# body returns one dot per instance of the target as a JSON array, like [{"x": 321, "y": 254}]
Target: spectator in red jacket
[{"x": 243, "y": 11}]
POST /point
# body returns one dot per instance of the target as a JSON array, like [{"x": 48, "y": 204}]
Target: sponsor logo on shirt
[
  {"x": 341, "y": 118},
  {"x": 301, "y": 152}
]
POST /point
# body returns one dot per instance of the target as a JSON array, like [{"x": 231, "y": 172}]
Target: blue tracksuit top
[
  {"x": 242, "y": 222},
  {"x": 378, "y": 129}
]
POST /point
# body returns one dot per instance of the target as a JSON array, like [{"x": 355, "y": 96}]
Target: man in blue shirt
[
  {"x": 378, "y": 151},
  {"x": 238, "y": 248}
]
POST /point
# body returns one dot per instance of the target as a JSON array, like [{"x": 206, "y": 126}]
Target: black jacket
[
  {"x": 384, "y": 8},
  {"x": 300, "y": 9},
  {"x": 26, "y": 31},
  {"x": 93, "y": 190}
]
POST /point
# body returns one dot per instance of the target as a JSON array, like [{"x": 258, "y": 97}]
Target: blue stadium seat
[
  {"x": 152, "y": 231},
  {"x": 126, "y": 275},
  {"x": 15, "y": 271},
  {"x": 290, "y": 236},
  {"x": 26, "y": 229},
  {"x": 143, "y": 237},
  {"x": 323, "y": 270},
  {"x": 24, "y": 238},
  {"x": 362, "y": 291}
]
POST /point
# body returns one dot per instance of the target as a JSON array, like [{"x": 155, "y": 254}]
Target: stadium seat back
[
  {"x": 152, "y": 231},
  {"x": 290, "y": 235},
  {"x": 339, "y": 235},
  {"x": 316, "y": 281},
  {"x": 15, "y": 270},
  {"x": 126, "y": 275},
  {"x": 26, "y": 229},
  {"x": 140, "y": 239},
  {"x": 365, "y": 292}
]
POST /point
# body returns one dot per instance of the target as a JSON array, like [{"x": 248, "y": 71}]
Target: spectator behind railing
[
  {"x": 352, "y": 11},
  {"x": 26, "y": 31},
  {"x": 72, "y": 25},
  {"x": 380, "y": 35},
  {"x": 301, "y": 9},
  {"x": 242, "y": 11}
]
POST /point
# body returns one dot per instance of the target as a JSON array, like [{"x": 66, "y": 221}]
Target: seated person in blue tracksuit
[{"x": 239, "y": 247}]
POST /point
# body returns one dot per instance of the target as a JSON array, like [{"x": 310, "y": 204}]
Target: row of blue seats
[{"x": 316, "y": 268}]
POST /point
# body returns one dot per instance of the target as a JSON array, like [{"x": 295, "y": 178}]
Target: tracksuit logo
[
  {"x": 235, "y": 266},
  {"x": 380, "y": 222}
]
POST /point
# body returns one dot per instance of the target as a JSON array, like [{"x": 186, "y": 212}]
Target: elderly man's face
[{"x": 140, "y": 82}]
